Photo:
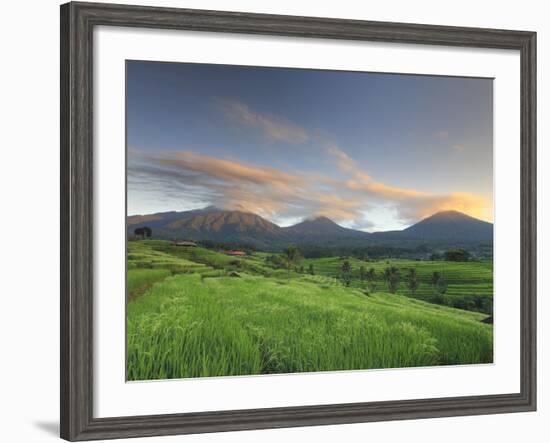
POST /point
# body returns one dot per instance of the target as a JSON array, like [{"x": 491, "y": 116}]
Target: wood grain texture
[{"x": 76, "y": 307}]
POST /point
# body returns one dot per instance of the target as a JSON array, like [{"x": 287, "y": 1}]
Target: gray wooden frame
[{"x": 77, "y": 24}]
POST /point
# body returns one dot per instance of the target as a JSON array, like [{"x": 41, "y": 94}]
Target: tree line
[
  {"x": 291, "y": 259},
  {"x": 392, "y": 277}
]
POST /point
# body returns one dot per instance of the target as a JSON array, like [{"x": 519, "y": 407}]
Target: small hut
[{"x": 235, "y": 253}]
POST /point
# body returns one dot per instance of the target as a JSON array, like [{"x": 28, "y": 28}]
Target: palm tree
[
  {"x": 292, "y": 257},
  {"x": 346, "y": 266},
  {"x": 346, "y": 272},
  {"x": 434, "y": 280},
  {"x": 370, "y": 276},
  {"x": 412, "y": 280},
  {"x": 391, "y": 275},
  {"x": 440, "y": 286}
]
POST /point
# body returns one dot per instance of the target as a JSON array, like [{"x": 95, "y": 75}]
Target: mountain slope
[
  {"x": 160, "y": 219},
  {"x": 321, "y": 229},
  {"x": 450, "y": 225},
  {"x": 211, "y": 224},
  {"x": 224, "y": 223}
]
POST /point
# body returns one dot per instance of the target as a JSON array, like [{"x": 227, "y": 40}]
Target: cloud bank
[
  {"x": 347, "y": 196},
  {"x": 279, "y": 195},
  {"x": 230, "y": 184},
  {"x": 410, "y": 204}
]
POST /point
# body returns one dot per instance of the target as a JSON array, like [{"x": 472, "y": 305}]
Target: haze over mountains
[{"x": 227, "y": 226}]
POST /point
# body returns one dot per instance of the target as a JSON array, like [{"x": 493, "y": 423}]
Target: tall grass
[
  {"x": 188, "y": 326},
  {"x": 139, "y": 280}
]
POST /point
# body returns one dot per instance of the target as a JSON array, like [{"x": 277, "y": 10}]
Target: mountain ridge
[
  {"x": 438, "y": 225},
  {"x": 236, "y": 226},
  {"x": 318, "y": 228}
]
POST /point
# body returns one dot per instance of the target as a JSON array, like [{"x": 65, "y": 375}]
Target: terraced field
[
  {"x": 194, "y": 312},
  {"x": 146, "y": 257},
  {"x": 469, "y": 285}
]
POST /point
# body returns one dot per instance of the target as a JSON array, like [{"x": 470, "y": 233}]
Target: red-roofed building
[{"x": 235, "y": 253}]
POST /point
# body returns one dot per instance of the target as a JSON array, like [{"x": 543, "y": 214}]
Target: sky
[{"x": 371, "y": 151}]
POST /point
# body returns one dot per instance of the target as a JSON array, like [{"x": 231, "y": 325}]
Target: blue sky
[{"x": 371, "y": 151}]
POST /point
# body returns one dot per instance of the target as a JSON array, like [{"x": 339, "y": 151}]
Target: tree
[
  {"x": 362, "y": 273},
  {"x": 276, "y": 261},
  {"x": 479, "y": 302},
  {"x": 457, "y": 255},
  {"x": 370, "y": 276},
  {"x": 442, "y": 286},
  {"x": 292, "y": 257},
  {"x": 434, "y": 279},
  {"x": 310, "y": 269},
  {"x": 412, "y": 281},
  {"x": 143, "y": 232},
  {"x": 439, "y": 283},
  {"x": 391, "y": 276},
  {"x": 346, "y": 272}
]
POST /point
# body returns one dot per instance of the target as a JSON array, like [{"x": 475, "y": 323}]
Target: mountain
[
  {"x": 448, "y": 228},
  {"x": 451, "y": 226},
  {"x": 322, "y": 229},
  {"x": 226, "y": 223},
  {"x": 211, "y": 224},
  {"x": 160, "y": 219}
]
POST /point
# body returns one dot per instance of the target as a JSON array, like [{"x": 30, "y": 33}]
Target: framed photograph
[{"x": 273, "y": 221}]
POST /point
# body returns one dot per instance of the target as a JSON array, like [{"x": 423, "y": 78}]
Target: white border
[{"x": 114, "y": 397}]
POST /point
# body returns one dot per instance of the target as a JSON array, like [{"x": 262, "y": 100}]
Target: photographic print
[{"x": 284, "y": 220}]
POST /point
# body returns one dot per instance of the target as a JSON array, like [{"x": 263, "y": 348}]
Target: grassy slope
[
  {"x": 201, "y": 322},
  {"x": 464, "y": 279}
]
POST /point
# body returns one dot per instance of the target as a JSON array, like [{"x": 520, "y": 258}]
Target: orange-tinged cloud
[
  {"x": 232, "y": 171},
  {"x": 345, "y": 162},
  {"x": 381, "y": 189},
  {"x": 266, "y": 191},
  {"x": 475, "y": 205},
  {"x": 266, "y": 204},
  {"x": 338, "y": 208},
  {"x": 273, "y": 193},
  {"x": 412, "y": 204}
]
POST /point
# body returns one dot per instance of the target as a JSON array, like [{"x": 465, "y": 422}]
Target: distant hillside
[
  {"x": 212, "y": 224},
  {"x": 322, "y": 229},
  {"x": 449, "y": 227},
  {"x": 160, "y": 219}
]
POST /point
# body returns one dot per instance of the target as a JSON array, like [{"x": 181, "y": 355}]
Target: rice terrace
[
  {"x": 285, "y": 220},
  {"x": 195, "y": 311}
]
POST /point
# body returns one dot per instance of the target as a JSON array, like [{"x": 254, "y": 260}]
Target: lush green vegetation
[
  {"x": 139, "y": 280},
  {"x": 194, "y": 312},
  {"x": 402, "y": 248},
  {"x": 469, "y": 285}
]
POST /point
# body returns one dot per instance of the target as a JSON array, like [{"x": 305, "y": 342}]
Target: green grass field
[
  {"x": 197, "y": 313},
  {"x": 467, "y": 283}
]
